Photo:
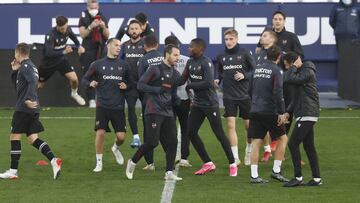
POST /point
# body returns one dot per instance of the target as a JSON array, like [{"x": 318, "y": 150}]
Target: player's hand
[
  {"x": 81, "y": 50},
  {"x": 31, "y": 104},
  {"x": 216, "y": 82},
  {"x": 239, "y": 76},
  {"x": 15, "y": 65},
  {"x": 281, "y": 120},
  {"x": 95, "y": 23},
  {"x": 122, "y": 86},
  {"x": 68, "y": 49},
  {"x": 93, "y": 83},
  {"x": 298, "y": 62},
  {"x": 102, "y": 24}
]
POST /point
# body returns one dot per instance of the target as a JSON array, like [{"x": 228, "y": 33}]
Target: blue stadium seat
[
  {"x": 132, "y": 1},
  {"x": 255, "y": 1},
  {"x": 195, "y": 1},
  {"x": 226, "y": 1},
  {"x": 106, "y": 1}
]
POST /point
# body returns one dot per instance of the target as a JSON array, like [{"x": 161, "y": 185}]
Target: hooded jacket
[{"x": 306, "y": 98}]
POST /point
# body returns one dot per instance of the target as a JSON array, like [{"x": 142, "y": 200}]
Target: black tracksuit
[
  {"x": 131, "y": 53},
  {"x": 151, "y": 58},
  {"x": 160, "y": 122},
  {"x": 305, "y": 106},
  {"x": 200, "y": 72},
  {"x": 228, "y": 63}
]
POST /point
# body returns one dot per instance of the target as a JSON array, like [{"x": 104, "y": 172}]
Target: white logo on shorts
[
  {"x": 153, "y": 125},
  {"x": 214, "y": 113},
  {"x": 299, "y": 124}
]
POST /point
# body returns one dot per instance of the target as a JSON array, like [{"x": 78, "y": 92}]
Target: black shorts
[
  {"x": 232, "y": 106},
  {"x": 45, "y": 72},
  {"x": 26, "y": 123},
  {"x": 261, "y": 124},
  {"x": 116, "y": 116}
]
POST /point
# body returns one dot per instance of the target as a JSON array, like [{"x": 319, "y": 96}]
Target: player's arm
[
  {"x": 104, "y": 27},
  {"x": 250, "y": 64},
  {"x": 30, "y": 94},
  {"x": 88, "y": 78},
  {"x": 174, "y": 97},
  {"x": 185, "y": 74},
  {"x": 49, "y": 47},
  {"x": 151, "y": 74},
  {"x": 141, "y": 66},
  {"x": 297, "y": 46},
  {"x": 278, "y": 91},
  {"x": 218, "y": 71},
  {"x": 126, "y": 78},
  {"x": 121, "y": 32},
  {"x": 297, "y": 77},
  {"x": 208, "y": 78}
]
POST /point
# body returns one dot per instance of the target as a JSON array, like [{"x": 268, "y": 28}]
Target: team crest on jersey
[
  {"x": 167, "y": 75},
  {"x": 128, "y": 46},
  {"x": 119, "y": 68},
  {"x": 238, "y": 58},
  {"x": 153, "y": 125},
  {"x": 210, "y": 64},
  {"x": 133, "y": 47},
  {"x": 103, "y": 67},
  {"x": 198, "y": 68},
  {"x": 224, "y": 59},
  {"x": 230, "y": 58},
  {"x": 284, "y": 41},
  {"x": 162, "y": 78},
  {"x": 111, "y": 68}
]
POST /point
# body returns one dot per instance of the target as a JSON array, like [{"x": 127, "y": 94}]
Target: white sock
[
  {"x": 132, "y": 163},
  {"x": 277, "y": 166},
  {"x": 99, "y": 158},
  {"x": 74, "y": 91},
  {"x": 248, "y": 147},
  {"x": 136, "y": 136},
  {"x": 267, "y": 148},
  {"x": 235, "y": 151},
  {"x": 116, "y": 146},
  {"x": 13, "y": 171},
  {"x": 299, "y": 178},
  {"x": 254, "y": 171},
  {"x": 210, "y": 162},
  {"x": 317, "y": 179},
  {"x": 233, "y": 164}
]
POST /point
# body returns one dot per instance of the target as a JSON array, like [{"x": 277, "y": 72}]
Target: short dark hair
[
  {"x": 61, "y": 21},
  {"x": 273, "y": 53},
  {"x": 172, "y": 39},
  {"x": 199, "y": 42},
  {"x": 109, "y": 41},
  {"x": 150, "y": 41},
  {"x": 168, "y": 49},
  {"x": 134, "y": 21},
  {"x": 279, "y": 12},
  {"x": 290, "y": 57},
  {"x": 141, "y": 17},
  {"x": 23, "y": 49}
]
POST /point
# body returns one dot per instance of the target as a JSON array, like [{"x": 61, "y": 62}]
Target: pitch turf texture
[{"x": 72, "y": 138}]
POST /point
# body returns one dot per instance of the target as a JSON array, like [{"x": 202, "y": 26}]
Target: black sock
[
  {"x": 15, "y": 153},
  {"x": 44, "y": 148}
]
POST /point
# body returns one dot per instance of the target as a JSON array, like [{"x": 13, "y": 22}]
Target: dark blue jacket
[{"x": 345, "y": 20}]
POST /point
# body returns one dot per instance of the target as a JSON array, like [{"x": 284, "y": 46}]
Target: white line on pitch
[{"x": 169, "y": 186}]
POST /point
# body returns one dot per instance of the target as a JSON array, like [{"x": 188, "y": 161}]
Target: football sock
[
  {"x": 235, "y": 152},
  {"x": 254, "y": 171},
  {"x": 99, "y": 158},
  {"x": 44, "y": 148},
  {"x": 267, "y": 148},
  {"x": 15, "y": 153},
  {"x": 277, "y": 166},
  {"x": 136, "y": 136}
]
